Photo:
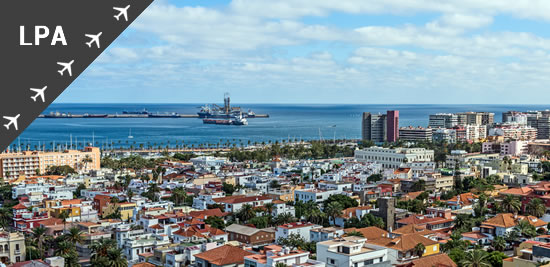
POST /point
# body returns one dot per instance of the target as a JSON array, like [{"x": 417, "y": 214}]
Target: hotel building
[{"x": 12, "y": 165}]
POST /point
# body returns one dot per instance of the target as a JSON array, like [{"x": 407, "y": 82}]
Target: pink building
[{"x": 392, "y": 125}]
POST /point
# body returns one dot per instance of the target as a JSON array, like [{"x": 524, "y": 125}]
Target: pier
[{"x": 130, "y": 116}]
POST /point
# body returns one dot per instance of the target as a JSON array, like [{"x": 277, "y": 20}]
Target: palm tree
[
  {"x": 64, "y": 215},
  {"x": 334, "y": 209},
  {"x": 100, "y": 250},
  {"x": 130, "y": 194},
  {"x": 536, "y": 208},
  {"x": 476, "y": 258},
  {"x": 499, "y": 243},
  {"x": 74, "y": 235},
  {"x": 6, "y": 215},
  {"x": 39, "y": 235},
  {"x": 115, "y": 258},
  {"x": 280, "y": 264},
  {"x": 511, "y": 204},
  {"x": 87, "y": 159},
  {"x": 178, "y": 195},
  {"x": 269, "y": 208},
  {"x": 246, "y": 213},
  {"x": 419, "y": 249},
  {"x": 525, "y": 228}
]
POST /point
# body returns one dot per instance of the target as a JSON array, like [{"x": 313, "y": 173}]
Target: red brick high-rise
[{"x": 392, "y": 126}]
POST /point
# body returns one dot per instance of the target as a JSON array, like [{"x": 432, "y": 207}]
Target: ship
[
  {"x": 143, "y": 112},
  {"x": 56, "y": 115},
  {"x": 164, "y": 115},
  {"x": 231, "y": 121},
  {"x": 225, "y": 112},
  {"x": 92, "y": 116}
]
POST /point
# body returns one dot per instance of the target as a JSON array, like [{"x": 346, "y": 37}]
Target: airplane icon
[
  {"x": 66, "y": 67},
  {"x": 123, "y": 11},
  {"x": 95, "y": 39},
  {"x": 39, "y": 93},
  {"x": 13, "y": 121}
]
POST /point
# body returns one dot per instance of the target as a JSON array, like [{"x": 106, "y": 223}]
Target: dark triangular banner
[{"x": 46, "y": 45}]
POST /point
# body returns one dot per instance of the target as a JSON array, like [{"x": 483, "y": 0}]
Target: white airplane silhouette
[
  {"x": 95, "y": 39},
  {"x": 123, "y": 11},
  {"x": 13, "y": 121},
  {"x": 66, "y": 67},
  {"x": 39, "y": 93}
]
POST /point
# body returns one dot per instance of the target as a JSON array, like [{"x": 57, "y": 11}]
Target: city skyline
[{"x": 347, "y": 52}]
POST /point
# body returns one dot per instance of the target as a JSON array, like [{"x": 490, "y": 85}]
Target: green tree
[
  {"x": 511, "y": 204},
  {"x": 259, "y": 222},
  {"x": 293, "y": 241},
  {"x": 246, "y": 213},
  {"x": 64, "y": 215},
  {"x": 333, "y": 210},
  {"x": 419, "y": 249},
  {"x": 229, "y": 189},
  {"x": 345, "y": 201},
  {"x": 499, "y": 243},
  {"x": 74, "y": 236},
  {"x": 354, "y": 233},
  {"x": 374, "y": 178},
  {"x": 476, "y": 258},
  {"x": 536, "y": 207},
  {"x": 216, "y": 222},
  {"x": 39, "y": 234}
]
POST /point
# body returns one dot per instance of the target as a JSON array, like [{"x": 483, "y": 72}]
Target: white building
[
  {"x": 350, "y": 252},
  {"x": 202, "y": 201},
  {"x": 315, "y": 195},
  {"x": 393, "y": 157},
  {"x": 274, "y": 255},
  {"x": 298, "y": 228},
  {"x": 324, "y": 234}
]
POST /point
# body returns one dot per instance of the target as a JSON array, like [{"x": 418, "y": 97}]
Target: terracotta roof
[
  {"x": 32, "y": 263},
  {"x": 224, "y": 255},
  {"x": 411, "y": 229},
  {"x": 507, "y": 220},
  {"x": 216, "y": 231},
  {"x": 370, "y": 233},
  {"x": 403, "y": 243},
  {"x": 422, "y": 219},
  {"x": 521, "y": 191},
  {"x": 412, "y": 195},
  {"x": 241, "y": 199},
  {"x": 438, "y": 260},
  {"x": 156, "y": 226},
  {"x": 144, "y": 264},
  {"x": 474, "y": 235},
  {"x": 19, "y": 207}
]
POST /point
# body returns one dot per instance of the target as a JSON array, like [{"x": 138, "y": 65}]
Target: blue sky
[{"x": 327, "y": 51}]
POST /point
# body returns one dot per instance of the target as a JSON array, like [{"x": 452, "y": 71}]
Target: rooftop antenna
[
  {"x": 93, "y": 138},
  {"x": 71, "y": 137},
  {"x": 320, "y": 135}
]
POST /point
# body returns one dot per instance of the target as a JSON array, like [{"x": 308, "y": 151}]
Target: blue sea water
[{"x": 307, "y": 122}]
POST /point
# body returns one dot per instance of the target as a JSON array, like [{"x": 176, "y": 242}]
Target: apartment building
[
  {"x": 351, "y": 251},
  {"x": 12, "y": 247},
  {"x": 274, "y": 254},
  {"x": 298, "y": 228},
  {"x": 443, "y": 120},
  {"x": 380, "y": 127},
  {"x": 514, "y": 132},
  {"x": 29, "y": 162}
]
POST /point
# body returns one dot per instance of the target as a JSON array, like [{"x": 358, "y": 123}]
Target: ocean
[{"x": 305, "y": 122}]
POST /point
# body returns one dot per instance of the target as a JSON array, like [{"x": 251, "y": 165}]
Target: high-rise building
[
  {"x": 415, "y": 134},
  {"x": 487, "y": 118},
  {"x": 381, "y": 127},
  {"x": 543, "y": 127},
  {"x": 374, "y": 127},
  {"x": 392, "y": 128},
  {"x": 443, "y": 120},
  {"x": 475, "y": 118}
]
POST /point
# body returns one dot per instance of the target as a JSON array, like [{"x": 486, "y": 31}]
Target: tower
[
  {"x": 386, "y": 210},
  {"x": 392, "y": 127}
]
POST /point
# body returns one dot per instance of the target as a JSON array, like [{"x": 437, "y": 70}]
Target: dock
[{"x": 130, "y": 116}]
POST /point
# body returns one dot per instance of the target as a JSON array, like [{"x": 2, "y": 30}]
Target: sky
[{"x": 327, "y": 51}]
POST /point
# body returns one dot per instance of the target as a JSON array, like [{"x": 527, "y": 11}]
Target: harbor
[{"x": 235, "y": 115}]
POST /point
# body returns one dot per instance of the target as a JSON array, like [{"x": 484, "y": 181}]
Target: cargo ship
[
  {"x": 225, "y": 112},
  {"x": 230, "y": 121}
]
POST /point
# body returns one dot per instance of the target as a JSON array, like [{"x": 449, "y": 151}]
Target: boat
[
  {"x": 130, "y": 136},
  {"x": 225, "y": 112},
  {"x": 164, "y": 115},
  {"x": 86, "y": 115},
  {"x": 143, "y": 112},
  {"x": 232, "y": 121}
]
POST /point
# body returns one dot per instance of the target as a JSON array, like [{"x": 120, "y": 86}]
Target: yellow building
[
  {"x": 29, "y": 162},
  {"x": 126, "y": 210}
]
